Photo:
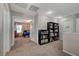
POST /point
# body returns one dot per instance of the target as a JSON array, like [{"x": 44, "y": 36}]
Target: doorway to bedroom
[{"x": 21, "y": 32}]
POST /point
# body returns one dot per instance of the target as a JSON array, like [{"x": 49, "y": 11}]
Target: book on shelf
[
  {"x": 44, "y": 36},
  {"x": 51, "y": 30},
  {"x": 46, "y": 32},
  {"x": 51, "y": 27},
  {"x": 46, "y": 40},
  {"x": 51, "y": 34},
  {"x": 55, "y": 34},
  {"x": 56, "y": 30},
  {"x": 42, "y": 41}
]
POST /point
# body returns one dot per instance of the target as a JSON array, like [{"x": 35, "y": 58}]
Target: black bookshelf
[
  {"x": 49, "y": 35},
  {"x": 56, "y": 31},
  {"x": 53, "y": 31},
  {"x": 50, "y": 28},
  {"x": 43, "y": 37}
]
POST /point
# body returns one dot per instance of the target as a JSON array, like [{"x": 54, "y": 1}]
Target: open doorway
[{"x": 21, "y": 32}]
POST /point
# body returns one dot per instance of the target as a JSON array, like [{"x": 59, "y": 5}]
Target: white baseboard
[
  {"x": 34, "y": 41},
  {"x": 69, "y": 53}
]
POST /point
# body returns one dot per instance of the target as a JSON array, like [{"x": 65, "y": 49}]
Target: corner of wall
[{"x": 69, "y": 53}]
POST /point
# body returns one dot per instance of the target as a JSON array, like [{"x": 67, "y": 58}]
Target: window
[{"x": 19, "y": 28}]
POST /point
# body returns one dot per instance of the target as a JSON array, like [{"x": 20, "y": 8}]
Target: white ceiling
[
  {"x": 58, "y": 9},
  {"x": 22, "y": 8},
  {"x": 24, "y": 5}
]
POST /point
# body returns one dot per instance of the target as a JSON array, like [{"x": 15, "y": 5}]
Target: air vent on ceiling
[
  {"x": 33, "y": 8},
  {"x": 23, "y": 5}
]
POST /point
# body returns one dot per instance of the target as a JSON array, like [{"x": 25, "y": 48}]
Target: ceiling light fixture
[
  {"x": 27, "y": 20},
  {"x": 58, "y": 17},
  {"x": 49, "y": 12}
]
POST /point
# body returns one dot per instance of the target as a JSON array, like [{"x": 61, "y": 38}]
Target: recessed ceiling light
[
  {"x": 58, "y": 17},
  {"x": 64, "y": 19},
  {"x": 27, "y": 20},
  {"x": 49, "y": 12}
]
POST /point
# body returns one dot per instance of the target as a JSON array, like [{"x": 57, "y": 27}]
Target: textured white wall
[
  {"x": 67, "y": 24},
  {"x": 42, "y": 22},
  {"x": 71, "y": 36},
  {"x": 1, "y": 29},
  {"x": 34, "y": 29},
  {"x": 43, "y": 19},
  {"x": 7, "y": 28}
]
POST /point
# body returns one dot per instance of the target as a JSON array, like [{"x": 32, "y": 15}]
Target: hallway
[{"x": 25, "y": 47}]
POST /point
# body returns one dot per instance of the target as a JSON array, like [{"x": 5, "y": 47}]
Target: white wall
[
  {"x": 34, "y": 29},
  {"x": 67, "y": 24},
  {"x": 43, "y": 19},
  {"x": 71, "y": 36},
  {"x": 1, "y": 29},
  {"x": 6, "y": 28},
  {"x": 42, "y": 22}
]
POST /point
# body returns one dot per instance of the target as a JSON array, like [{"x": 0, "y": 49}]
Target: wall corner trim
[{"x": 72, "y": 54}]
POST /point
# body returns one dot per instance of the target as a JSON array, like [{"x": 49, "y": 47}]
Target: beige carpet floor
[{"x": 25, "y": 47}]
